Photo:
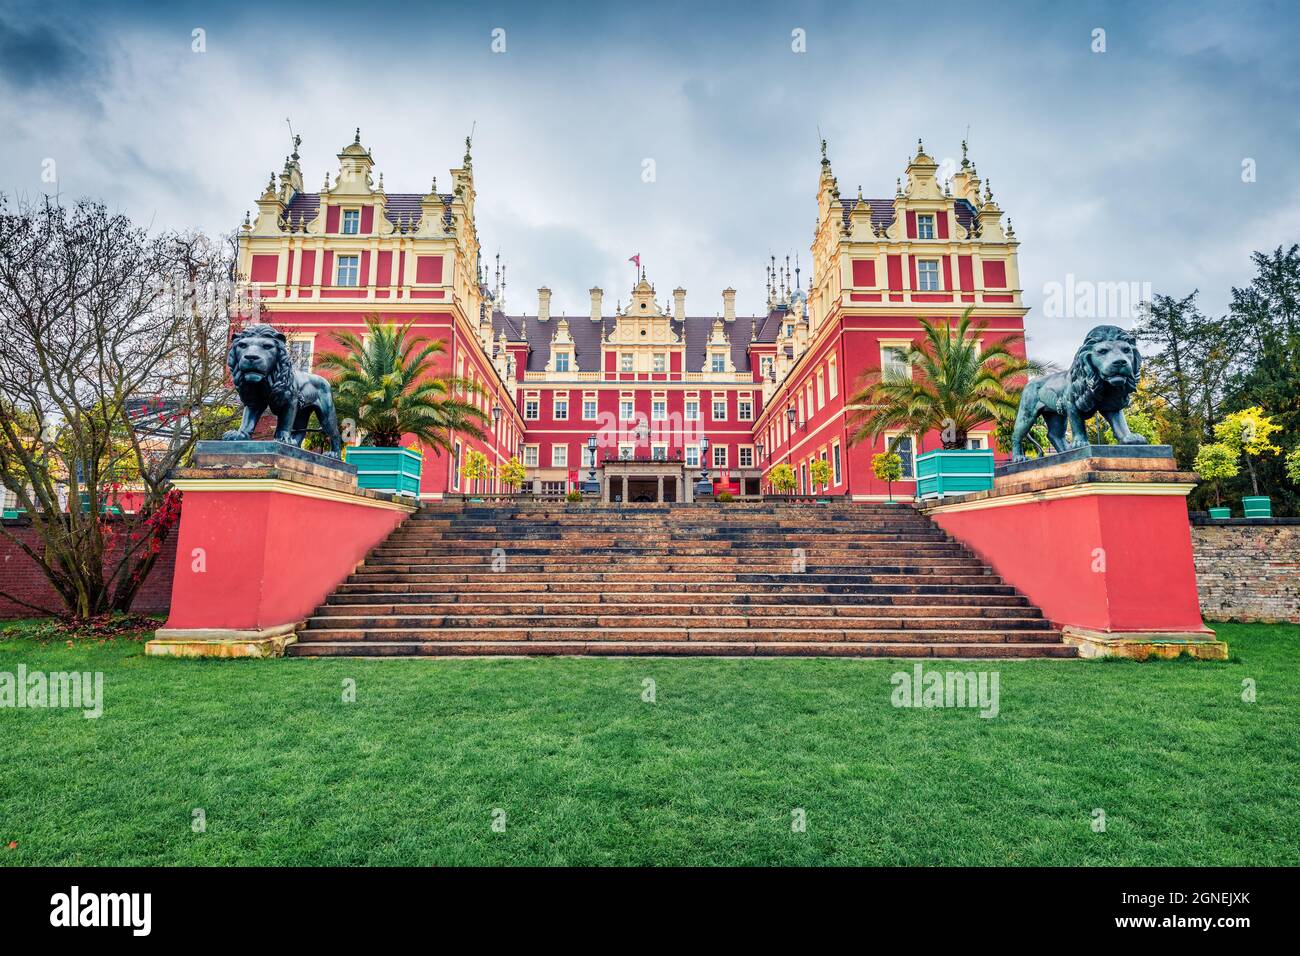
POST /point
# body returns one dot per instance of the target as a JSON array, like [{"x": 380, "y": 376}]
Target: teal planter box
[
  {"x": 394, "y": 470},
  {"x": 1257, "y": 506},
  {"x": 1220, "y": 514},
  {"x": 956, "y": 472}
]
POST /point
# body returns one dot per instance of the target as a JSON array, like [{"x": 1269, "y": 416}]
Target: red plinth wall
[
  {"x": 1098, "y": 560},
  {"x": 254, "y": 560}
]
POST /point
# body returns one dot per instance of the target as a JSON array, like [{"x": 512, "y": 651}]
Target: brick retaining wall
[
  {"x": 23, "y": 578},
  {"x": 1248, "y": 570}
]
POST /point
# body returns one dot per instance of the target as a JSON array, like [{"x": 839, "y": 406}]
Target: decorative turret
[{"x": 270, "y": 209}]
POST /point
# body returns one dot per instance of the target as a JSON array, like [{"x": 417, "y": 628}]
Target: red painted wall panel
[
  {"x": 941, "y": 223},
  {"x": 307, "y": 273},
  {"x": 965, "y": 273},
  {"x": 1144, "y": 541},
  {"x": 244, "y": 584},
  {"x": 894, "y": 267},
  {"x": 911, "y": 224},
  {"x": 995, "y": 275},
  {"x": 263, "y": 268},
  {"x": 864, "y": 272},
  {"x": 428, "y": 269},
  {"x": 367, "y": 220},
  {"x": 332, "y": 220}
]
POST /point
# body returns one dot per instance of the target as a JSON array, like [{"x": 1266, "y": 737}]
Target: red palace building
[{"x": 662, "y": 394}]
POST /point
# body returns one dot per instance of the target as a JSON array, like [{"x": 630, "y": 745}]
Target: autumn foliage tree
[{"x": 112, "y": 365}]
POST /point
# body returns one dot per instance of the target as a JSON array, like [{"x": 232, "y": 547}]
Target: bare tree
[{"x": 112, "y": 365}]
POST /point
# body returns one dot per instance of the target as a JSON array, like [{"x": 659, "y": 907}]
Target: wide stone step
[
  {"x": 577, "y": 565},
  {"x": 845, "y": 603},
  {"x": 821, "y": 611},
  {"x": 678, "y": 648},
  {"x": 495, "y": 584},
  {"x": 724, "y": 618},
  {"x": 676, "y": 633},
  {"x": 898, "y": 576}
]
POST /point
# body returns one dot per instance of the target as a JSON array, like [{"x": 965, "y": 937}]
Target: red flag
[{"x": 636, "y": 259}]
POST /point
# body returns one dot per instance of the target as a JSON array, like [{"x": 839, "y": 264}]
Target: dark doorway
[{"x": 643, "y": 490}]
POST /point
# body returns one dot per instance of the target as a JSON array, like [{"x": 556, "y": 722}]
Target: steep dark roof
[
  {"x": 587, "y": 336},
  {"x": 399, "y": 206},
  {"x": 882, "y": 211}
]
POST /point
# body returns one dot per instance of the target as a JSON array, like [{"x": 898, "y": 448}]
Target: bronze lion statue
[
  {"x": 264, "y": 377},
  {"x": 1100, "y": 380}
]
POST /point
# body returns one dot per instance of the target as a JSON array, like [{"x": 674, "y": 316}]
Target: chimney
[
  {"x": 729, "y": 304},
  {"x": 596, "y": 295},
  {"x": 543, "y": 304},
  {"x": 679, "y": 304}
]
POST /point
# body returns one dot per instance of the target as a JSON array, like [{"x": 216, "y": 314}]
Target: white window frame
[
  {"x": 535, "y": 453},
  {"x": 889, "y": 438},
  {"x": 590, "y": 398},
  {"x": 717, "y": 363},
  {"x": 836, "y": 475},
  {"x": 832, "y": 382},
  {"x": 355, "y": 271},
  {"x": 562, "y": 361},
  {"x": 713, "y": 408},
  {"x": 691, "y": 455},
  {"x": 563, "y": 449},
  {"x": 923, "y": 220},
  {"x": 560, "y": 407},
  {"x": 744, "y": 414},
  {"x": 626, "y": 362},
  {"x": 534, "y": 402},
  {"x": 626, "y": 409},
  {"x": 659, "y": 362},
  {"x": 718, "y": 456},
  {"x": 659, "y": 409},
  {"x": 921, "y": 274},
  {"x": 302, "y": 338},
  {"x": 886, "y": 347},
  {"x": 691, "y": 412},
  {"x": 741, "y": 452},
  {"x": 353, "y": 215}
]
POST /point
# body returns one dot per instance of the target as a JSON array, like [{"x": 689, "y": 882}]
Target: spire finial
[
  {"x": 357, "y": 139},
  {"x": 825, "y": 160},
  {"x": 381, "y": 182},
  {"x": 327, "y": 181},
  {"x": 898, "y": 186},
  {"x": 964, "y": 161},
  {"x": 468, "y": 161},
  {"x": 919, "y": 148},
  {"x": 988, "y": 190}
]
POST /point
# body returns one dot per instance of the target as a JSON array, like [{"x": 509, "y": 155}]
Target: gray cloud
[{"x": 1114, "y": 167}]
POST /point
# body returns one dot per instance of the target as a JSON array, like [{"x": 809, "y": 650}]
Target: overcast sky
[{"x": 1117, "y": 166}]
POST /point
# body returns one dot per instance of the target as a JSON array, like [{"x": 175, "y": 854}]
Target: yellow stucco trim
[
  {"x": 1170, "y": 488},
  {"x": 289, "y": 488}
]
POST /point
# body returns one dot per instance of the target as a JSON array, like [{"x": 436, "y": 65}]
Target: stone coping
[
  {"x": 1084, "y": 452},
  {"x": 1202, "y": 519},
  {"x": 234, "y": 454},
  {"x": 1080, "y": 476}
]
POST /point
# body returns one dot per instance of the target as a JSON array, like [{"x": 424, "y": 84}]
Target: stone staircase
[{"x": 734, "y": 579}]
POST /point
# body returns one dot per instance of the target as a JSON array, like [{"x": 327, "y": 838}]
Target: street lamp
[
  {"x": 704, "y": 488},
  {"x": 592, "y": 486}
]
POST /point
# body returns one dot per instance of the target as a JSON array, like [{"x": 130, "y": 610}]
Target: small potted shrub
[
  {"x": 1247, "y": 433},
  {"x": 573, "y": 497},
  {"x": 724, "y": 496},
  {"x": 513, "y": 474},
  {"x": 819, "y": 472},
  {"x": 887, "y": 467},
  {"x": 1214, "y": 462},
  {"x": 782, "y": 479},
  {"x": 475, "y": 469}
]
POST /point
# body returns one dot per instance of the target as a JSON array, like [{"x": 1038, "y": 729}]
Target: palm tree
[
  {"x": 386, "y": 384},
  {"x": 957, "y": 383}
]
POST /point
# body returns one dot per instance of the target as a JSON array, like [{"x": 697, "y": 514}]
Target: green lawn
[{"x": 589, "y": 773}]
